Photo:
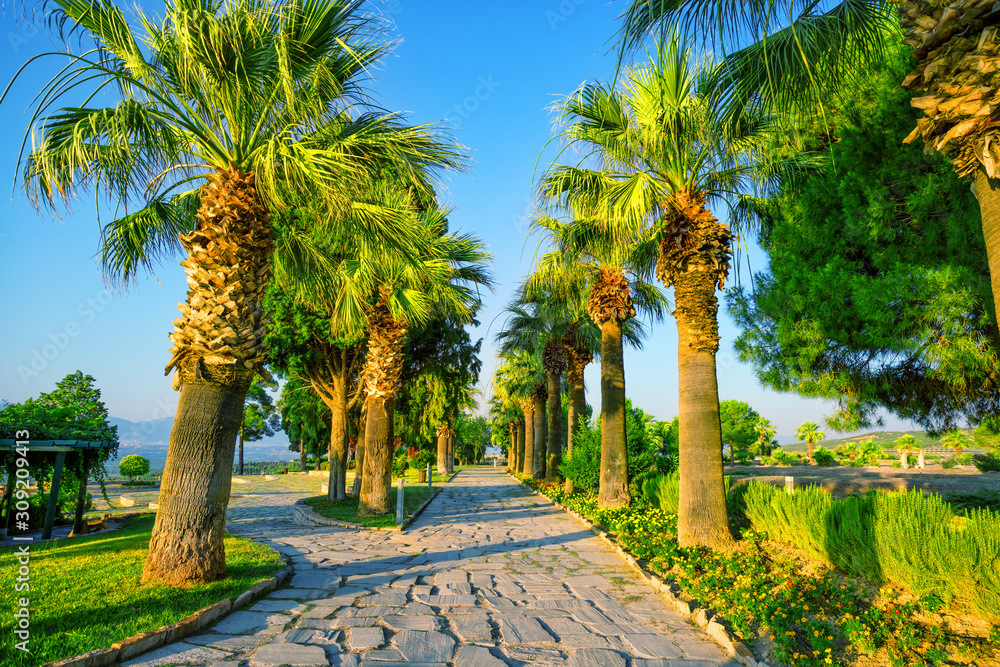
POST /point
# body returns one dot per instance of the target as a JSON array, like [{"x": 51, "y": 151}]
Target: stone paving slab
[{"x": 489, "y": 575}]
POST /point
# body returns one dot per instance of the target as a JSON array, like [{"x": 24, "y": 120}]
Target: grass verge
[
  {"x": 347, "y": 510},
  {"x": 85, "y": 592}
]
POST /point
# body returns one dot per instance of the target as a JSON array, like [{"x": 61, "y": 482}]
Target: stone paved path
[{"x": 489, "y": 575}]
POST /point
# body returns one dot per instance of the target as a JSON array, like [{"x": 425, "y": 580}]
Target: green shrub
[
  {"x": 769, "y": 461},
  {"x": 907, "y": 539},
  {"x": 583, "y": 466},
  {"x": 784, "y": 458},
  {"x": 422, "y": 458},
  {"x": 948, "y": 463},
  {"x": 986, "y": 462},
  {"x": 133, "y": 466},
  {"x": 663, "y": 492},
  {"x": 38, "y": 504},
  {"x": 964, "y": 459},
  {"x": 400, "y": 464},
  {"x": 824, "y": 457}
]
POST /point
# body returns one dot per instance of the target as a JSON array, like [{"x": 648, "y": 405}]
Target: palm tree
[
  {"x": 613, "y": 265},
  {"x": 765, "y": 434},
  {"x": 520, "y": 376},
  {"x": 957, "y": 439},
  {"x": 224, "y": 111},
  {"x": 809, "y": 433},
  {"x": 807, "y": 52},
  {"x": 386, "y": 297},
  {"x": 538, "y": 320},
  {"x": 668, "y": 145}
]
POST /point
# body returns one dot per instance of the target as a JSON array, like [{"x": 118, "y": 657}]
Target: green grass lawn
[
  {"x": 347, "y": 510},
  {"x": 411, "y": 477},
  {"x": 85, "y": 592}
]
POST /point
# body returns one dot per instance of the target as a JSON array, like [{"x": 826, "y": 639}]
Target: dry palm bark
[
  {"x": 381, "y": 378},
  {"x": 359, "y": 453},
  {"x": 694, "y": 258},
  {"x": 577, "y": 358},
  {"x": 957, "y": 47},
  {"x": 442, "y": 449},
  {"x": 538, "y": 397},
  {"x": 512, "y": 448},
  {"x": 610, "y": 305},
  {"x": 527, "y": 460},
  {"x": 554, "y": 365},
  {"x": 520, "y": 445},
  {"x": 218, "y": 347}
]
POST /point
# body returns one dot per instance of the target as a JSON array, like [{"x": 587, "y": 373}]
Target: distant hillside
[{"x": 885, "y": 437}]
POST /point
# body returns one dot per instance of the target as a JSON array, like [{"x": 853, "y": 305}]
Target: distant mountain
[
  {"x": 157, "y": 432},
  {"x": 149, "y": 439}
]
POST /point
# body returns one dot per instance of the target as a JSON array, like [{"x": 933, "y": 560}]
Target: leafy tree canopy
[
  {"x": 442, "y": 365},
  {"x": 738, "y": 421},
  {"x": 260, "y": 417},
  {"x": 72, "y": 411},
  {"x": 878, "y": 295},
  {"x": 304, "y": 417}
]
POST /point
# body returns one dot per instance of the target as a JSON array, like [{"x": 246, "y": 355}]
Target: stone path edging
[
  {"x": 303, "y": 515},
  {"x": 147, "y": 641},
  {"x": 704, "y": 618}
]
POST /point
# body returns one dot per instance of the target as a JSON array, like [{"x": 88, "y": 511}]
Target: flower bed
[{"x": 787, "y": 609}]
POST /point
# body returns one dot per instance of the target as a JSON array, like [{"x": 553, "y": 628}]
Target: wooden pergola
[{"x": 59, "y": 448}]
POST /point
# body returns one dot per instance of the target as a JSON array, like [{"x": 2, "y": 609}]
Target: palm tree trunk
[
  {"x": 702, "y": 519},
  {"x": 218, "y": 347},
  {"x": 451, "y": 447},
  {"x": 809, "y": 458},
  {"x": 528, "y": 460},
  {"x": 520, "y": 445},
  {"x": 512, "y": 448},
  {"x": 186, "y": 543},
  {"x": 376, "y": 484},
  {"x": 988, "y": 194},
  {"x": 359, "y": 453},
  {"x": 303, "y": 463},
  {"x": 554, "y": 436},
  {"x": 613, "y": 490},
  {"x": 241, "y": 447},
  {"x": 538, "y": 452},
  {"x": 337, "y": 452},
  {"x": 442, "y": 450},
  {"x": 577, "y": 405}
]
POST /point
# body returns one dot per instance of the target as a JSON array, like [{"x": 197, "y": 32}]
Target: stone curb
[
  {"x": 303, "y": 515},
  {"x": 147, "y": 641},
  {"x": 705, "y": 619}
]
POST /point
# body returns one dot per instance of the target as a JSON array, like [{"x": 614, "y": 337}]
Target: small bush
[
  {"x": 986, "y": 462},
  {"x": 422, "y": 458},
  {"x": 769, "y": 461},
  {"x": 948, "y": 463},
  {"x": 663, "y": 492},
  {"x": 784, "y": 458},
  {"x": 400, "y": 464},
  {"x": 133, "y": 466},
  {"x": 824, "y": 457}
]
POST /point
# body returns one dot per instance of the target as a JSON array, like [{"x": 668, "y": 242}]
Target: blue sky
[{"x": 490, "y": 71}]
